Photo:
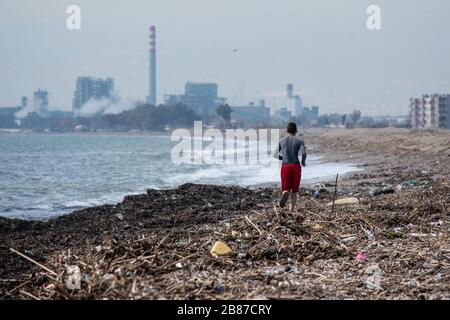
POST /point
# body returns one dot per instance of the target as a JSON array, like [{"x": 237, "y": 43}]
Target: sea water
[{"x": 45, "y": 175}]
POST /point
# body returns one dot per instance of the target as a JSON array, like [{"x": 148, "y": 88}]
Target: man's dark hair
[{"x": 292, "y": 128}]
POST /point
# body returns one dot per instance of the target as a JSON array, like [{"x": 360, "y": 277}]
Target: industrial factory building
[
  {"x": 251, "y": 113},
  {"x": 293, "y": 105},
  {"x": 40, "y": 100},
  {"x": 88, "y": 87},
  {"x": 201, "y": 97},
  {"x": 430, "y": 112},
  {"x": 294, "y": 102},
  {"x": 8, "y": 114}
]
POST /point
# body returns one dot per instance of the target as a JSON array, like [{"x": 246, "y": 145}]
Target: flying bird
[{"x": 233, "y": 50}]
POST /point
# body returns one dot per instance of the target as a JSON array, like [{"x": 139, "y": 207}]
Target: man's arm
[
  {"x": 304, "y": 155},
  {"x": 277, "y": 154}
]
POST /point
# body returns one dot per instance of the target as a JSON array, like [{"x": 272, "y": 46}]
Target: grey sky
[{"x": 322, "y": 47}]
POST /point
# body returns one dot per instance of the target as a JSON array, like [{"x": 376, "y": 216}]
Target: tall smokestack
[{"x": 151, "y": 99}]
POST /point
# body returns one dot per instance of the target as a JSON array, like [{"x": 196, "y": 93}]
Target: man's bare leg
[
  {"x": 293, "y": 201},
  {"x": 284, "y": 199}
]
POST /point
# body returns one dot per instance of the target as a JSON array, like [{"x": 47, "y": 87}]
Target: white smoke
[
  {"x": 106, "y": 106},
  {"x": 22, "y": 113},
  {"x": 271, "y": 94}
]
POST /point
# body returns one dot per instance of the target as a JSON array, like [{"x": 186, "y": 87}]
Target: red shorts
[{"x": 291, "y": 174}]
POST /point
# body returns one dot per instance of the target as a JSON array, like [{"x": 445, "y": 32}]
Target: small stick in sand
[
  {"x": 335, "y": 191},
  {"x": 34, "y": 261},
  {"x": 29, "y": 295},
  {"x": 254, "y": 225}
]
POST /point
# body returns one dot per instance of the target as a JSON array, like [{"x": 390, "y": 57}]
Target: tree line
[{"x": 143, "y": 117}]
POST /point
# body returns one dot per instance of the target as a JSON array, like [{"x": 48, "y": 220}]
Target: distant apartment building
[
  {"x": 309, "y": 114},
  {"x": 283, "y": 114},
  {"x": 40, "y": 100},
  {"x": 251, "y": 113},
  {"x": 430, "y": 111},
  {"x": 202, "y": 98},
  {"x": 88, "y": 88}
]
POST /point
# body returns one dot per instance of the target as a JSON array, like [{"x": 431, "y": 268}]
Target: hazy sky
[{"x": 323, "y": 47}]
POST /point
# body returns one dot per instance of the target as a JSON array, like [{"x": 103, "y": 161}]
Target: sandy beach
[{"x": 392, "y": 243}]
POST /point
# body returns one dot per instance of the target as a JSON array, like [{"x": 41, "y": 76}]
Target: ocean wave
[{"x": 199, "y": 175}]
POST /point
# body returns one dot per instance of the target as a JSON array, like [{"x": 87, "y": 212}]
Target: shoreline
[
  {"x": 391, "y": 228},
  {"x": 319, "y": 177}
]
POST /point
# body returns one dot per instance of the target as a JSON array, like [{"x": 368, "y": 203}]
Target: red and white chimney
[{"x": 151, "y": 99}]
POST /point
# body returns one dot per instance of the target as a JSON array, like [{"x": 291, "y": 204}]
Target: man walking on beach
[{"x": 288, "y": 151}]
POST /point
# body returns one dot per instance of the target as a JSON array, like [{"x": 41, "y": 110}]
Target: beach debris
[
  {"x": 361, "y": 256},
  {"x": 317, "y": 227},
  {"x": 385, "y": 190},
  {"x": 373, "y": 280},
  {"x": 220, "y": 288},
  {"x": 34, "y": 261},
  {"x": 436, "y": 223},
  {"x": 421, "y": 235},
  {"x": 49, "y": 287},
  {"x": 368, "y": 232},
  {"x": 280, "y": 270},
  {"x": 236, "y": 234},
  {"x": 244, "y": 246},
  {"x": 181, "y": 243},
  {"x": 169, "y": 262},
  {"x": 334, "y": 194},
  {"x": 119, "y": 216},
  {"x": 349, "y": 239},
  {"x": 344, "y": 201},
  {"x": 73, "y": 280},
  {"x": 317, "y": 194},
  {"x": 220, "y": 249}
]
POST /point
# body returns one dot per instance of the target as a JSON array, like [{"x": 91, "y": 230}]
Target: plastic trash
[
  {"x": 220, "y": 249},
  {"x": 361, "y": 256},
  {"x": 73, "y": 280},
  {"x": 349, "y": 239},
  {"x": 236, "y": 234},
  {"x": 317, "y": 227},
  {"x": 119, "y": 216},
  {"x": 373, "y": 280},
  {"x": 220, "y": 288},
  {"x": 351, "y": 200},
  {"x": 385, "y": 190}
]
